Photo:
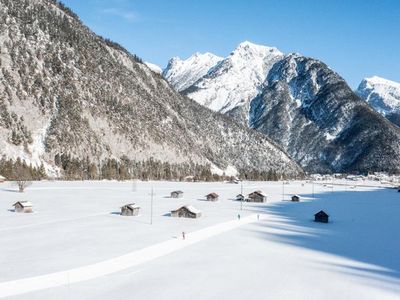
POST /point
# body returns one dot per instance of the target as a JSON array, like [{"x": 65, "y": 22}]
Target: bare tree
[{"x": 22, "y": 177}]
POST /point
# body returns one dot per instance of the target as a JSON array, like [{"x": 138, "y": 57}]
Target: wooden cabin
[
  {"x": 176, "y": 194},
  {"x": 257, "y": 196},
  {"x": 23, "y": 207},
  {"x": 186, "y": 211},
  {"x": 321, "y": 217},
  {"x": 240, "y": 197},
  {"x": 295, "y": 198},
  {"x": 212, "y": 197},
  {"x": 130, "y": 210}
]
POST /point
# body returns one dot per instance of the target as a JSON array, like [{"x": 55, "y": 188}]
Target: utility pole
[
  {"x": 151, "y": 208},
  {"x": 241, "y": 193}
]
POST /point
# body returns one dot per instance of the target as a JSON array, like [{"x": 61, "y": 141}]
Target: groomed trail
[{"x": 117, "y": 264}]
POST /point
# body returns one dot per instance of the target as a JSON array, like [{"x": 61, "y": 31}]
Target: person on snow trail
[
  {"x": 183, "y": 235},
  {"x": 238, "y": 216}
]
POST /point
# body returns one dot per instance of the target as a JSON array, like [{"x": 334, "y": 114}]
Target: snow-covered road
[{"x": 30, "y": 284}]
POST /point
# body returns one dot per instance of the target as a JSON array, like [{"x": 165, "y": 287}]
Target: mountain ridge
[
  {"x": 68, "y": 92},
  {"x": 297, "y": 106}
]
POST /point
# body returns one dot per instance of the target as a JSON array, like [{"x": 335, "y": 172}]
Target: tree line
[{"x": 73, "y": 168}]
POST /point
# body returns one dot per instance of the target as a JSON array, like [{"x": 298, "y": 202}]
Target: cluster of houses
[
  {"x": 382, "y": 177},
  {"x": 186, "y": 211},
  {"x": 256, "y": 196}
]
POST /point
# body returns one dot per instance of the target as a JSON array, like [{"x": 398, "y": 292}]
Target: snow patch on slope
[
  {"x": 183, "y": 73},
  {"x": 153, "y": 67},
  {"x": 382, "y": 94}
]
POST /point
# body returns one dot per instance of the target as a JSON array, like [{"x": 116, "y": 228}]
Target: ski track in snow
[{"x": 36, "y": 283}]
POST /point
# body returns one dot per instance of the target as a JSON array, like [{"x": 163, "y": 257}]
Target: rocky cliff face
[
  {"x": 310, "y": 110},
  {"x": 64, "y": 89}
]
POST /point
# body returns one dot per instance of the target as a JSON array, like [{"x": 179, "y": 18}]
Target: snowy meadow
[{"x": 76, "y": 245}]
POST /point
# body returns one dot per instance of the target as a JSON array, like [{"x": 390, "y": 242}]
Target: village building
[
  {"x": 186, "y": 211},
  {"x": 130, "y": 210},
  {"x": 257, "y": 196},
  {"x": 240, "y": 197},
  {"x": 23, "y": 207},
  {"x": 176, "y": 194},
  {"x": 212, "y": 197},
  {"x": 321, "y": 217},
  {"x": 2, "y": 179},
  {"x": 295, "y": 198}
]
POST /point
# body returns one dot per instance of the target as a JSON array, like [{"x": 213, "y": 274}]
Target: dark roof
[
  {"x": 321, "y": 213},
  {"x": 178, "y": 192},
  {"x": 257, "y": 193},
  {"x": 189, "y": 208},
  {"x": 213, "y": 195}
]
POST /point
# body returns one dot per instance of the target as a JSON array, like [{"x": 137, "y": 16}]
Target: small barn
[
  {"x": 2, "y": 179},
  {"x": 240, "y": 197},
  {"x": 212, "y": 197},
  {"x": 257, "y": 196},
  {"x": 130, "y": 210},
  {"x": 23, "y": 207},
  {"x": 186, "y": 211},
  {"x": 176, "y": 194},
  {"x": 295, "y": 198},
  {"x": 321, "y": 217}
]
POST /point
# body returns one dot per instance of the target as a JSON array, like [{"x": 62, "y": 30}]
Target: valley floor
[{"x": 76, "y": 246}]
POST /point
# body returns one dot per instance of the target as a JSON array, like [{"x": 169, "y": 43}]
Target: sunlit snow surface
[
  {"x": 382, "y": 94},
  {"x": 284, "y": 256}
]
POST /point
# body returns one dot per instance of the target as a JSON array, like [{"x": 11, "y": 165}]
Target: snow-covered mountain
[
  {"x": 73, "y": 100},
  {"x": 183, "y": 73},
  {"x": 233, "y": 81},
  {"x": 383, "y": 95},
  {"x": 302, "y": 105},
  {"x": 311, "y": 111}
]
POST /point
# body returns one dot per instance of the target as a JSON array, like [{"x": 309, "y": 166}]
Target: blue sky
[{"x": 356, "y": 38}]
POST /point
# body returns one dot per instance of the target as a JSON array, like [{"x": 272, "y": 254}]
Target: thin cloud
[{"x": 129, "y": 15}]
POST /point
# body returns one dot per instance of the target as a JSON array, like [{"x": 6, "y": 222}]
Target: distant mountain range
[
  {"x": 301, "y": 104},
  {"x": 70, "y": 99},
  {"x": 383, "y": 95}
]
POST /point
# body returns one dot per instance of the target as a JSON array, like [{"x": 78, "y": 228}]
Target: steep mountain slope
[
  {"x": 234, "y": 81},
  {"x": 65, "y": 90},
  {"x": 183, "y": 73},
  {"x": 316, "y": 117},
  {"x": 383, "y": 95}
]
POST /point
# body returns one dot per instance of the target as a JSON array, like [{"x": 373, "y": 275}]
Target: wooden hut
[
  {"x": 257, "y": 196},
  {"x": 321, "y": 217},
  {"x": 23, "y": 207},
  {"x": 212, "y": 197},
  {"x": 130, "y": 210},
  {"x": 186, "y": 211},
  {"x": 176, "y": 194},
  {"x": 240, "y": 197},
  {"x": 295, "y": 198}
]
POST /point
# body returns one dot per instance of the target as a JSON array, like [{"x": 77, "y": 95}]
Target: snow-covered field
[{"x": 76, "y": 246}]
